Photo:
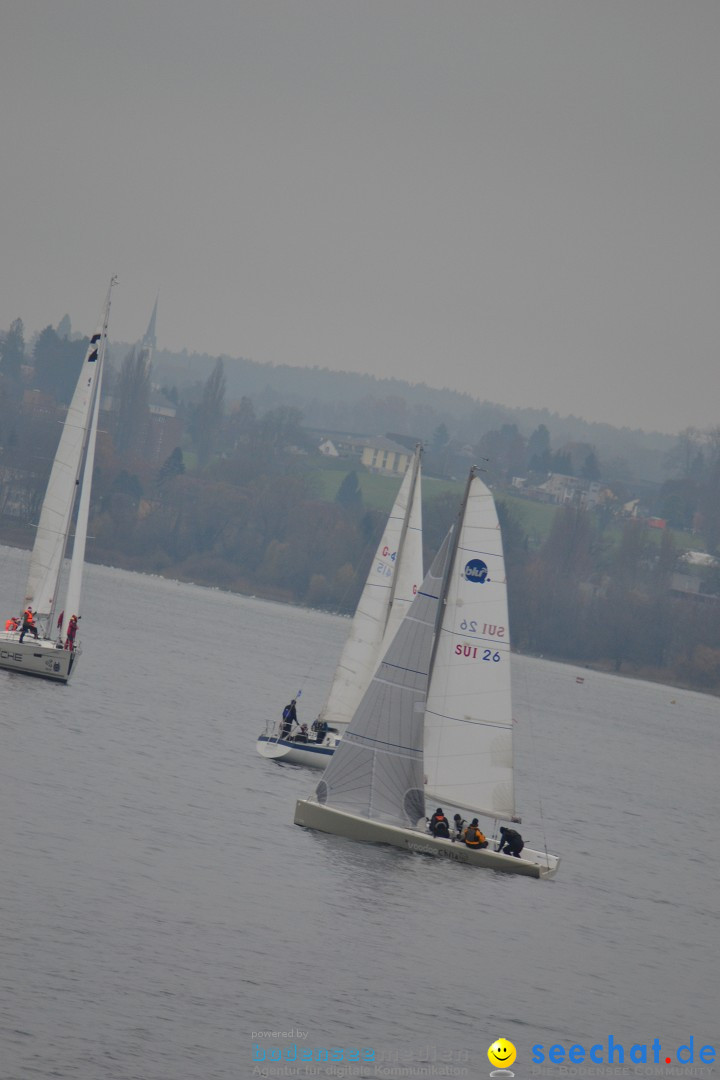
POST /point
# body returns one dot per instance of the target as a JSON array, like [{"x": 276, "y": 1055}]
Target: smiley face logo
[{"x": 502, "y": 1053}]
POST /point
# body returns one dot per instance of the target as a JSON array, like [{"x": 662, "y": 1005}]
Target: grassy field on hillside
[
  {"x": 378, "y": 491},
  {"x": 536, "y": 518}
]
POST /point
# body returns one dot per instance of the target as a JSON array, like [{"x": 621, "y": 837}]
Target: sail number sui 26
[
  {"x": 487, "y": 630},
  {"x": 475, "y": 653}
]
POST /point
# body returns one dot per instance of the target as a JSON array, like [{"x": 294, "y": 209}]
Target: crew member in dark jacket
[
  {"x": 439, "y": 824},
  {"x": 289, "y": 718},
  {"x": 511, "y": 842}
]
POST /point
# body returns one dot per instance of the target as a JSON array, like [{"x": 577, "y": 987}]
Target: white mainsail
[
  {"x": 65, "y": 478},
  {"x": 377, "y": 769},
  {"x": 393, "y": 579},
  {"x": 468, "y": 719}
]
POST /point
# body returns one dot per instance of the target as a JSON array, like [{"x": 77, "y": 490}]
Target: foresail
[
  {"x": 408, "y": 574},
  {"x": 468, "y": 720},
  {"x": 377, "y": 769},
  {"x": 72, "y": 599},
  {"x": 395, "y": 574}
]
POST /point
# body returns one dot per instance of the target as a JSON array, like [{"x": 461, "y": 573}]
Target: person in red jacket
[{"x": 71, "y": 632}]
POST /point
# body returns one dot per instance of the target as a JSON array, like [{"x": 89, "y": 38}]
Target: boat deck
[
  {"x": 42, "y": 657},
  {"x": 296, "y": 751},
  {"x": 313, "y": 815}
]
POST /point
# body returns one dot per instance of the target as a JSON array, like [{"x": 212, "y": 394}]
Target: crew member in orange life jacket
[
  {"x": 12, "y": 624},
  {"x": 439, "y": 824},
  {"x": 28, "y": 626},
  {"x": 474, "y": 838}
]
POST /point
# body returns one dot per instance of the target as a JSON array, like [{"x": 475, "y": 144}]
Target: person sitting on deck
[
  {"x": 474, "y": 837},
  {"x": 511, "y": 842},
  {"x": 12, "y": 624},
  {"x": 302, "y": 735},
  {"x": 321, "y": 728},
  {"x": 439, "y": 824},
  {"x": 459, "y": 826}
]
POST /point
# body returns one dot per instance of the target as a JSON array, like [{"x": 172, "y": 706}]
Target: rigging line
[{"x": 538, "y": 775}]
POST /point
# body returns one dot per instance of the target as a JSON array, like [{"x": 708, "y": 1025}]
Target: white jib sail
[
  {"x": 408, "y": 574},
  {"x": 468, "y": 719},
  {"x": 394, "y": 577}
]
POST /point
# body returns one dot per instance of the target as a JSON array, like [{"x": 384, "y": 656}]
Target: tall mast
[
  {"x": 454, "y": 542},
  {"x": 98, "y": 344},
  {"x": 403, "y": 532}
]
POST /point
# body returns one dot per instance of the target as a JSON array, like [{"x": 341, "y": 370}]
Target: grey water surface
[{"x": 161, "y": 916}]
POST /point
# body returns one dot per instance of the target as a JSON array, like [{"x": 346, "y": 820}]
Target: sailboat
[
  {"x": 50, "y": 655},
  {"x": 393, "y": 580},
  {"x": 436, "y": 719}
]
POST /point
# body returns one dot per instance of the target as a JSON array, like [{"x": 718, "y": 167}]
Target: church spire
[
  {"x": 149, "y": 341},
  {"x": 146, "y": 346}
]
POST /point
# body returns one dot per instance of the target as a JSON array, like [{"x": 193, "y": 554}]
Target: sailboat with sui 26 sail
[{"x": 436, "y": 719}]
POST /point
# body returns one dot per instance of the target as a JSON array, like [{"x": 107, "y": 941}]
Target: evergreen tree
[
  {"x": 538, "y": 450},
  {"x": 57, "y": 362},
  {"x": 12, "y": 357},
  {"x": 561, "y": 463},
  {"x": 133, "y": 393},
  {"x": 349, "y": 494},
  {"x": 440, "y": 439},
  {"x": 208, "y": 415},
  {"x": 172, "y": 466},
  {"x": 591, "y": 468}
]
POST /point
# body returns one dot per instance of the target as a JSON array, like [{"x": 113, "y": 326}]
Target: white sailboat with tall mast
[
  {"x": 436, "y": 719},
  {"x": 393, "y": 580},
  {"x": 50, "y": 655}
]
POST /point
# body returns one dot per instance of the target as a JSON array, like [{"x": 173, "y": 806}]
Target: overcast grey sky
[{"x": 516, "y": 198}]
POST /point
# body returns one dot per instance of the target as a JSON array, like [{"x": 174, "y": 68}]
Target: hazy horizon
[{"x": 516, "y": 201}]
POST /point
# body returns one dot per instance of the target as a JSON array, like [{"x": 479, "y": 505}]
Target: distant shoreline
[{"x": 19, "y": 539}]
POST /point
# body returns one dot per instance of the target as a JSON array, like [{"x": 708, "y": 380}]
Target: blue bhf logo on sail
[{"x": 476, "y": 571}]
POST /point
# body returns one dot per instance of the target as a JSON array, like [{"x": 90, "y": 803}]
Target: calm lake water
[{"x": 159, "y": 910}]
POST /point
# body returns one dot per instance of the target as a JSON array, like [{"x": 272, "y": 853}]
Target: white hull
[
  {"x": 312, "y": 815},
  {"x": 287, "y": 752},
  {"x": 42, "y": 658}
]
